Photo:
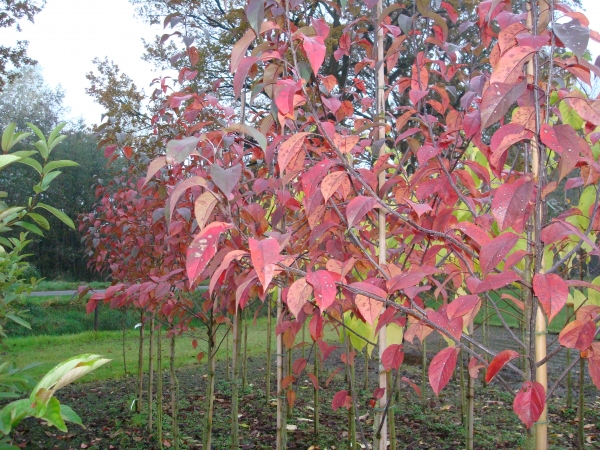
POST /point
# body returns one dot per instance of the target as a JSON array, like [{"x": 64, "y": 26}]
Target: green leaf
[
  {"x": 58, "y": 164},
  {"x": 53, "y": 415},
  {"x": 18, "y": 137},
  {"x": 58, "y": 214},
  {"x": 7, "y": 136},
  {"x": 56, "y": 141},
  {"x": 54, "y": 133},
  {"x": 42, "y": 148},
  {"x": 30, "y": 227},
  {"x": 13, "y": 413},
  {"x": 48, "y": 179},
  {"x": 69, "y": 415},
  {"x": 569, "y": 116},
  {"x": 32, "y": 163},
  {"x": 5, "y": 160},
  {"x": 40, "y": 220},
  {"x": 37, "y": 131},
  {"x": 18, "y": 320},
  {"x": 65, "y": 373},
  {"x": 10, "y": 211}
]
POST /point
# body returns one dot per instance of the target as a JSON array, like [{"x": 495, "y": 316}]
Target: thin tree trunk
[
  {"x": 366, "y": 384},
  {"x": 245, "y": 366},
  {"x": 210, "y": 387},
  {"x": 235, "y": 430},
  {"x": 351, "y": 410},
  {"x": 289, "y": 372},
  {"x": 463, "y": 393},
  {"x": 159, "y": 389},
  {"x": 470, "y": 402},
  {"x": 303, "y": 340},
  {"x": 174, "y": 396},
  {"x": 391, "y": 415},
  {"x": 151, "y": 375},
  {"x": 141, "y": 366},
  {"x": 316, "y": 394},
  {"x": 569, "y": 394},
  {"x": 424, "y": 375},
  {"x": 281, "y": 422},
  {"x": 580, "y": 410},
  {"x": 269, "y": 355},
  {"x": 227, "y": 375},
  {"x": 123, "y": 329}
]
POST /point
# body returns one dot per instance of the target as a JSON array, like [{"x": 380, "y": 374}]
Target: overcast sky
[{"x": 68, "y": 34}]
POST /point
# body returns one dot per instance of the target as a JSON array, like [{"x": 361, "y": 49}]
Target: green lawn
[{"x": 46, "y": 285}]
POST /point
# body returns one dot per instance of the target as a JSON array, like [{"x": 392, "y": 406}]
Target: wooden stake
[
  {"x": 380, "y": 442},
  {"x": 159, "y": 389},
  {"x": 151, "y": 375},
  {"x": 141, "y": 366}
]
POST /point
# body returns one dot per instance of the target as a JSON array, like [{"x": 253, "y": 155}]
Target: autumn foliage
[{"x": 292, "y": 187}]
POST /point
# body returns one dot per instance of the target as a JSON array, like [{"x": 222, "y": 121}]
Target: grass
[
  {"x": 50, "y": 350},
  {"x": 46, "y": 285}
]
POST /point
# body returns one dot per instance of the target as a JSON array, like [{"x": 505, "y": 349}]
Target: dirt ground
[{"x": 432, "y": 423}]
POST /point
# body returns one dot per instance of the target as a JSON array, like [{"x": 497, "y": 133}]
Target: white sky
[{"x": 68, "y": 34}]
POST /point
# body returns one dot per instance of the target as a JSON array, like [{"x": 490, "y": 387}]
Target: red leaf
[
  {"x": 239, "y": 78},
  {"x": 594, "y": 363},
  {"x": 552, "y": 292},
  {"x": 234, "y": 254},
  {"x": 358, "y": 207},
  {"x": 154, "y": 167},
  {"x": 332, "y": 182},
  {"x": 378, "y": 393},
  {"x": 315, "y": 327},
  {"x": 194, "y": 344},
  {"x": 496, "y": 281},
  {"x": 200, "y": 356},
  {"x": 325, "y": 349},
  {"x": 426, "y": 152},
  {"x": 497, "y": 100},
  {"x": 494, "y": 252},
  {"x": 291, "y": 398},
  {"x": 441, "y": 368},
  {"x": 264, "y": 255},
  {"x": 314, "y": 380},
  {"x": 239, "y": 50},
  {"x": 474, "y": 366},
  {"x": 298, "y": 295},
  {"x": 180, "y": 189},
  {"x": 476, "y": 233},
  {"x": 564, "y": 140},
  {"x": 578, "y": 334},
  {"x": 392, "y": 357},
  {"x": 287, "y": 381},
  {"x": 510, "y": 66},
  {"x": 499, "y": 361},
  {"x": 298, "y": 366},
  {"x": 369, "y": 308},
  {"x": 462, "y": 306},
  {"x": 416, "y": 388},
  {"x": 341, "y": 399},
  {"x": 529, "y": 402},
  {"x": 511, "y": 204},
  {"x": 324, "y": 287},
  {"x": 203, "y": 248},
  {"x": 315, "y": 50},
  {"x": 289, "y": 149},
  {"x": 419, "y": 208}
]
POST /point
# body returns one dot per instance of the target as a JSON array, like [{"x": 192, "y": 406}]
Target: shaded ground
[{"x": 104, "y": 408}]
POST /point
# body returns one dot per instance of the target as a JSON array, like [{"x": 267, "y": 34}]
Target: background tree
[
  {"x": 12, "y": 12},
  {"x": 28, "y": 99}
]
